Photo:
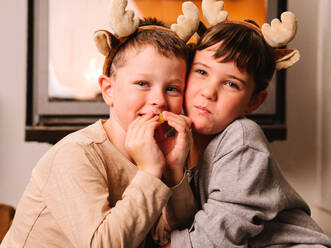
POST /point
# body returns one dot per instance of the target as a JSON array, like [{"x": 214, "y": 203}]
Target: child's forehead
[
  {"x": 139, "y": 48},
  {"x": 214, "y": 48},
  {"x": 210, "y": 53},
  {"x": 135, "y": 50},
  {"x": 207, "y": 58},
  {"x": 219, "y": 48},
  {"x": 143, "y": 47},
  {"x": 149, "y": 56}
]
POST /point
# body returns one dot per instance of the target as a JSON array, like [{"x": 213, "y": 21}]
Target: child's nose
[
  {"x": 159, "y": 101},
  {"x": 209, "y": 92}
]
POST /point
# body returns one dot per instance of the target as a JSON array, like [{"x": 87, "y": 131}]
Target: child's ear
[
  {"x": 106, "y": 87},
  {"x": 256, "y": 101}
]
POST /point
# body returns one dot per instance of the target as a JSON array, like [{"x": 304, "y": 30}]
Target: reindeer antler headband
[
  {"x": 278, "y": 34},
  {"x": 123, "y": 23}
]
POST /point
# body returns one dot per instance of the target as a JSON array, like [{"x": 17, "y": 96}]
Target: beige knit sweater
[{"x": 84, "y": 193}]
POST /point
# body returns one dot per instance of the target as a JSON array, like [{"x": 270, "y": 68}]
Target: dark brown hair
[
  {"x": 245, "y": 47},
  {"x": 166, "y": 42}
]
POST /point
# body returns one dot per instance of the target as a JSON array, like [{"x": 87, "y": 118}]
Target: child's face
[
  {"x": 217, "y": 93},
  {"x": 147, "y": 83}
]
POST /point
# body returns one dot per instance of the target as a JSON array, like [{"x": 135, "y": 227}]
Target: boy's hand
[
  {"x": 142, "y": 147},
  {"x": 176, "y": 148}
]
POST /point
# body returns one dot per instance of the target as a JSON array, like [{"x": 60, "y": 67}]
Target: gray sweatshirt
[{"x": 245, "y": 200}]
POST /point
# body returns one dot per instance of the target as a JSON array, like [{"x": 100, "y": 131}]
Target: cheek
[
  {"x": 230, "y": 105},
  {"x": 187, "y": 92},
  {"x": 244, "y": 103},
  {"x": 176, "y": 105},
  {"x": 128, "y": 103},
  {"x": 188, "y": 98},
  {"x": 239, "y": 106},
  {"x": 191, "y": 89}
]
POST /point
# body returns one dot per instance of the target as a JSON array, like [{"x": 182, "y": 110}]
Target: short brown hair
[
  {"x": 245, "y": 47},
  {"x": 166, "y": 42}
]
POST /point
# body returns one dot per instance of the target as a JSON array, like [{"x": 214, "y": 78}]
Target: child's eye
[
  {"x": 142, "y": 83},
  {"x": 173, "y": 89},
  {"x": 232, "y": 85},
  {"x": 202, "y": 72}
]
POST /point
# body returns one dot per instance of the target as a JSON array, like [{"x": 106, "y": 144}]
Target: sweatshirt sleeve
[
  {"x": 77, "y": 194},
  {"x": 249, "y": 204}
]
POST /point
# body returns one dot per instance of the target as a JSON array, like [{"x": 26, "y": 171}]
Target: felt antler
[
  {"x": 213, "y": 11},
  {"x": 122, "y": 21},
  {"x": 280, "y": 33},
  {"x": 187, "y": 23}
]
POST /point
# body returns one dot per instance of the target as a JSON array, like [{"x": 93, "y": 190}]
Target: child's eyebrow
[
  {"x": 239, "y": 79},
  {"x": 201, "y": 64},
  {"x": 176, "y": 81}
]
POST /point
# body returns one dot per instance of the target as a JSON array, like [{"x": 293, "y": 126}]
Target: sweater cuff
[
  {"x": 180, "y": 239},
  {"x": 180, "y": 188},
  {"x": 154, "y": 189},
  {"x": 181, "y": 207}
]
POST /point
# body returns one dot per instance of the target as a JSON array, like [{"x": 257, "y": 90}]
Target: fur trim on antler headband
[
  {"x": 123, "y": 23},
  {"x": 278, "y": 34}
]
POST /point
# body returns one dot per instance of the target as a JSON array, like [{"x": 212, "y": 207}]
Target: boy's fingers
[
  {"x": 150, "y": 126},
  {"x": 168, "y": 115},
  {"x": 135, "y": 131},
  {"x": 180, "y": 122},
  {"x": 141, "y": 132},
  {"x": 140, "y": 120},
  {"x": 144, "y": 127}
]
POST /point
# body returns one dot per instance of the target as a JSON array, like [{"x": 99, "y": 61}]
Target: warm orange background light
[{"x": 169, "y": 10}]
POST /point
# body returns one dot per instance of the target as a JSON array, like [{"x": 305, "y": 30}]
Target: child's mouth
[{"x": 202, "y": 110}]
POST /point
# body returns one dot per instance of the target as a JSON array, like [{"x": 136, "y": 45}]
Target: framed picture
[{"x": 63, "y": 63}]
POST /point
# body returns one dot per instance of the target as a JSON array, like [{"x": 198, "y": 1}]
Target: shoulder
[
  {"x": 93, "y": 133},
  {"x": 75, "y": 149},
  {"x": 241, "y": 133},
  {"x": 83, "y": 142},
  {"x": 247, "y": 132}
]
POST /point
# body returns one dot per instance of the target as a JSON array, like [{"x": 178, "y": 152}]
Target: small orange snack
[
  {"x": 161, "y": 119},
  {"x": 163, "y": 131}
]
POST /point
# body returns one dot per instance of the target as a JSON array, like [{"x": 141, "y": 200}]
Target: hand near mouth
[
  {"x": 142, "y": 147},
  {"x": 176, "y": 147},
  {"x": 157, "y": 152}
]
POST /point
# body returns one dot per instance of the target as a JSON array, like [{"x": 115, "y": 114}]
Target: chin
[
  {"x": 202, "y": 130},
  {"x": 207, "y": 130}
]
